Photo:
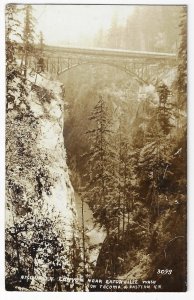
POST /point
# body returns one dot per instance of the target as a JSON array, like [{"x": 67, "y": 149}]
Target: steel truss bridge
[{"x": 143, "y": 66}]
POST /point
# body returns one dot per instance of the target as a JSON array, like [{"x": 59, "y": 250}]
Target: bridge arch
[{"x": 121, "y": 68}]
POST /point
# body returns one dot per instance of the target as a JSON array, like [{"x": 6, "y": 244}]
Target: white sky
[{"x": 73, "y": 23}]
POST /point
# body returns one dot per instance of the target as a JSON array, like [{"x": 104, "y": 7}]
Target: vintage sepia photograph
[{"x": 96, "y": 148}]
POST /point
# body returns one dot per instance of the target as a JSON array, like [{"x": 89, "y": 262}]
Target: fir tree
[
  {"x": 100, "y": 157},
  {"x": 12, "y": 47},
  {"x": 123, "y": 176},
  {"x": 41, "y": 42},
  {"x": 28, "y": 36},
  {"x": 156, "y": 155},
  {"x": 181, "y": 82}
]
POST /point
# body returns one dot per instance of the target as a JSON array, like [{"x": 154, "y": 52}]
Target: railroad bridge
[{"x": 143, "y": 66}]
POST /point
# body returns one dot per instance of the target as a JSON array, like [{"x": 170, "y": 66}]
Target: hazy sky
[{"x": 72, "y": 23}]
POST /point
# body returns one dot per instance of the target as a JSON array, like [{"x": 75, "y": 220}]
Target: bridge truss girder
[{"x": 144, "y": 70}]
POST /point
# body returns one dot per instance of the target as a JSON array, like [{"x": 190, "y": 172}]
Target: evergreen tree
[
  {"x": 123, "y": 176},
  {"x": 100, "y": 156},
  {"x": 113, "y": 35},
  {"x": 12, "y": 47},
  {"x": 28, "y": 36},
  {"x": 40, "y": 63},
  {"x": 156, "y": 155},
  {"x": 181, "y": 83},
  {"x": 41, "y": 42}
]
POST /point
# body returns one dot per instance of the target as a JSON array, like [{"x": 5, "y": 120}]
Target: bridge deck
[{"x": 110, "y": 52}]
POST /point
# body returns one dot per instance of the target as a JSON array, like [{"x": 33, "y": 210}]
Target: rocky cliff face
[
  {"x": 50, "y": 140},
  {"x": 40, "y": 213}
]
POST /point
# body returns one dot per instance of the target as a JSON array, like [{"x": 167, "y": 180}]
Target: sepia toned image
[{"x": 96, "y": 148}]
